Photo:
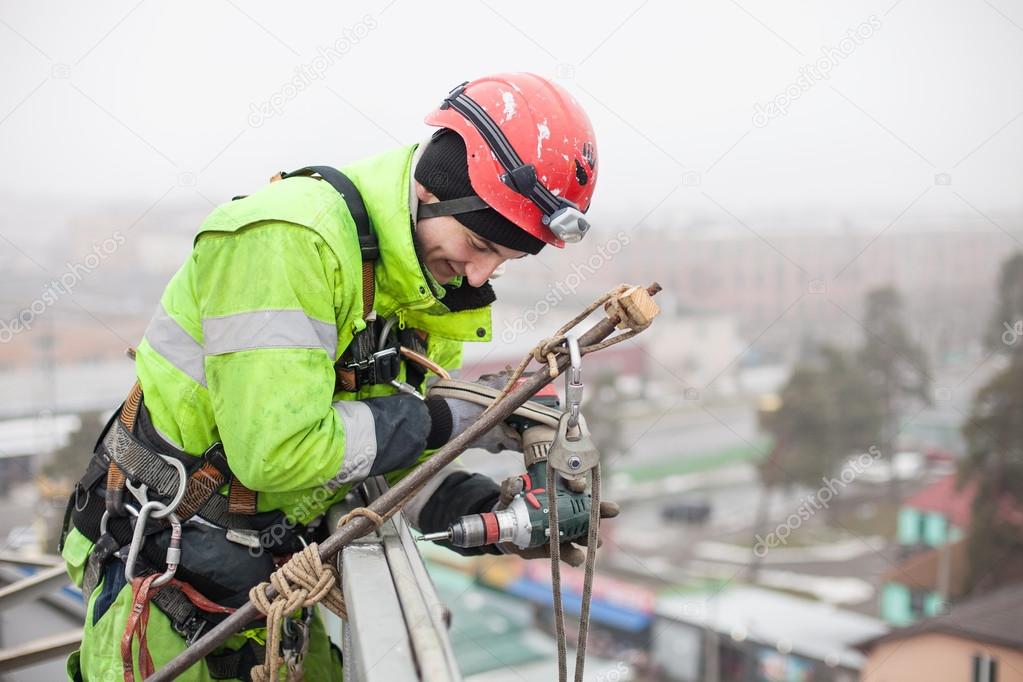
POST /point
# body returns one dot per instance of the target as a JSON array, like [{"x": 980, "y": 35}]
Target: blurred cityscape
[{"x": 816, "y": 447}]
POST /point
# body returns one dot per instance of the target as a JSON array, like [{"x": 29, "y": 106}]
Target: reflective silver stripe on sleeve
[
  {"x": 360, "y": 442},
  {"x": 414, "y": 507},
  {"x": 171, "y": 341},
  {"x": 267, "y": 329}
]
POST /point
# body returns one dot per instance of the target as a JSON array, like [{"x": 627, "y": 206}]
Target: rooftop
[
  {"x": 993, "y": 618},
  {"x": 922, "y": 570},
  {"x": 945, "y": 498},
  {"x": 808, "y": 628}
]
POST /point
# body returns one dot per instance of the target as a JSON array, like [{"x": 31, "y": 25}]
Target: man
[{"x": 270, "y": 370}]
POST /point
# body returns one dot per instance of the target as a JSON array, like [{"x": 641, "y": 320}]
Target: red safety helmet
[{"x": 532, "y": 153}]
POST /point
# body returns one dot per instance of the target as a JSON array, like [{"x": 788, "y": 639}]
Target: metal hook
[
  {"x": 182, "y": 484},
  {"x": 141, "y": 491},
  {"x": 574, "y": 380},
  {"x": 88, "y": 493},
  {"x": 138, "y": 539}
]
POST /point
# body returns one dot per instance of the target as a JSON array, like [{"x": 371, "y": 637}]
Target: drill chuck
[{"x": 476, "y": 530}]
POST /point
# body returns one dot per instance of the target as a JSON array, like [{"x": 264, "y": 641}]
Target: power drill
[{"x": 525, "y": 523}]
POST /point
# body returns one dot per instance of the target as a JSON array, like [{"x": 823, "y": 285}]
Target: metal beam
[
  {"x": 381, "y": 649},
  {"x": 29, "y": 589},
  {"x": 397, "y": 625},
  {"x": 425, "y": 617},
  {"x": 35, "y": 561},
  {"x": 39, "y": 650}
]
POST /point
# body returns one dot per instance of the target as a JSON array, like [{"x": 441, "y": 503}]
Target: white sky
[{"x": 117, "y": 100}]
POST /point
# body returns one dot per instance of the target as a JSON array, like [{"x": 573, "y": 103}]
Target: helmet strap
[{"x": 452, "y": 207}]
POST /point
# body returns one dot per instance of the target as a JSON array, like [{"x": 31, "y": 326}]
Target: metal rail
[
  {"x": 397, "y": 627},
  {"x": 39, "y": 650},
  {"x": 44, "y": 585},
  {"x": 26, "y": 589}
]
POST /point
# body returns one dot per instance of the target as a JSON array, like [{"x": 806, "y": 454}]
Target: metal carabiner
[
  {"x": 103, "y": 523},
  {"x": 172, "y": 557},
  {"x": 138, "y": 538},
  {"x": 295, "y": 637},
  {"x": 574, "y": 380},
  {"x": 141, "y": 492}
]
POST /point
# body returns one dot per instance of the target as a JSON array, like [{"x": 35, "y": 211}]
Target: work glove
[
  {"x": 452, "y": 416},
  {"x": 571, "y": 553}
]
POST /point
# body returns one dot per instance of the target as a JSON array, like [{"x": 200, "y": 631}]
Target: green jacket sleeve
[
  {"x": 270, "y": 302},
  {"x": 266, "y": 297}
]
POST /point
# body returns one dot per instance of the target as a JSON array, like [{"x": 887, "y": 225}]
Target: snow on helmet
[{"x": 532, "y": 154}]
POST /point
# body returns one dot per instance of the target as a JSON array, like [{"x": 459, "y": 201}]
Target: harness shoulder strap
[{"x": 368, "y": 244}]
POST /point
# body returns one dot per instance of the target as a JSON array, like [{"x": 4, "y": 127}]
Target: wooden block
[{"x": 634, "y": 308}]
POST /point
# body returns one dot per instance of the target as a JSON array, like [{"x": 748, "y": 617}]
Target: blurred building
[
  {"x": 751, "y": 634},
  {"x": 813, "y": 283},
  {"x": 924, "y": 584},
  {"x": 22, "y": 441},
  {"x": 697, "y": 346},
  {"x": 980, "y": 640},
  {"x": 934, "y": 515},
  {"x": 932, "y": 524}
]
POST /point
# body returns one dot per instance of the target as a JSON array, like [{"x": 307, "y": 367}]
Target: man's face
[{"x": 449, "y": 249}]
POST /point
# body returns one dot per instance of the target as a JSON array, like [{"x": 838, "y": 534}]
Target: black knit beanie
[{"x": 444, "y": 171}]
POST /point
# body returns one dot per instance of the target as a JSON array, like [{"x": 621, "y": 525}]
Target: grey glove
[
  {"x": 571, "y": 553},
  {"x": 451, "y": 417}
]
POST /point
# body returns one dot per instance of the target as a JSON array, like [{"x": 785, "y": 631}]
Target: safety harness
[
  {"x": 140, "y": 499},
  {"x": 374, "y": 355}
]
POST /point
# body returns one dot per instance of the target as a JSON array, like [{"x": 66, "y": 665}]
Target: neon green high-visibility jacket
[
  {"x": 242, "y": 347},
  {"x": 242, "y": 350}
]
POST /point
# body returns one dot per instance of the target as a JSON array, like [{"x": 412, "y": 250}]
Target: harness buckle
[
  {"x": 193, "y": 628},
  {"x": 141, "y": 491},
  {"x": 372, "y": 364}
]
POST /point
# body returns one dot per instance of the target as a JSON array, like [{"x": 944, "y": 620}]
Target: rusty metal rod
[{"x": 360, "y": 525}]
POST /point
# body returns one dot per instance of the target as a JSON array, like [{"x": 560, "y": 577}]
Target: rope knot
[
  {"x": 376, "y": 519},
  {"x": 546, "y": 350},
  {"x": 302, "y": 582}
]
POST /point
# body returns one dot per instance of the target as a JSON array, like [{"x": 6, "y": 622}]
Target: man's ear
[{"x": 424, "y": 195}]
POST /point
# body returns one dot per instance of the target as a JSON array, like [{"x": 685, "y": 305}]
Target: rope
[
  {"x": 547, "y": 351},
  {"x": 136, "y": 626},
  {"x": 589, "y": 570},
  {"x": 555, "y": 545},
  {"x": 301, "y": 583},
  {"x": 549, "y": 348},
  {"x": 366, "y": 512},
  {"x": 591, "y": 562}
]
